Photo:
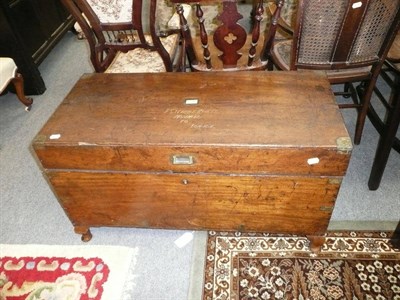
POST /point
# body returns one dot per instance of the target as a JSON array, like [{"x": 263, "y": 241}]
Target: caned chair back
[{"x": 343, "y": 34}]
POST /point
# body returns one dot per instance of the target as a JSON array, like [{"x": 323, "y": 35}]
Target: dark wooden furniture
[
  {"x": 386, "y": 141},
  {"x": 29, "y": 29},
  {"x": 388, "y": 125},
  {"x": 395, "y": 240},
  {"x": 348, "y": 39},
  {"x": 118, "y": 41},
  {"x": 199, "y": 150},
  {"x": 232, "y": 46},
  {"x": 18, "y": 82},
  {"x": 284, "y": 25},
  {"x": 9, "y": 73}
]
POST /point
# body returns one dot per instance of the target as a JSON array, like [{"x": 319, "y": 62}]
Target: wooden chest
[{"x": 248, "y": 151}]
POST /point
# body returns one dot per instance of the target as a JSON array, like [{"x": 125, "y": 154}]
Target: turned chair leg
[{"x": 18, "y": 82}]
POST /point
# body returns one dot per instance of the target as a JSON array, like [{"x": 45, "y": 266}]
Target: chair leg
[
  {"x": 18, "y": 82},
  {"x": 270, "y": 64},
  {"x": 362, "y": 112},
  {"x": 385, "y": 143},
  {"x": 348, "y": 90},
  {"x": 380, "y": 127},
  {"x": 391, "y": 76},
  {"x": 395, "y": 240}
]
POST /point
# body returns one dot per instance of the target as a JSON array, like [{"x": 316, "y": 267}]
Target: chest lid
[{"x": 229, "y": 110}]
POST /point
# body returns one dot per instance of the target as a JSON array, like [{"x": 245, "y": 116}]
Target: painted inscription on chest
[{"x": 193, "y": 118}]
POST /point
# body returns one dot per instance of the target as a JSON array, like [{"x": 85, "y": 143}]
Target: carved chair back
[
  {"x": 233, "y": 45},
  {"x": 112, "y": 27}
]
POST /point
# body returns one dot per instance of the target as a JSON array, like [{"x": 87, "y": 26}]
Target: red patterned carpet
[
  {"x": 45, "y": 278},
  {"x": 350, "y": 265},
  {"x": 49, "y": 272}
]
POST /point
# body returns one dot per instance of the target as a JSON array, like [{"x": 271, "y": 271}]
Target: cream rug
[{"x": 66, "y": 272}]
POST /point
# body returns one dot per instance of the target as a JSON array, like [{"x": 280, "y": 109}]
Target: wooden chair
[
  {"x": 233, "y": 45},
  {"x": 9, "y": 73},
  {"x": 286, "y": 18},
  {"x": 387, "y": 125},
  {"x": 349, "y": 39},
  {"x": 118, "y": 40}
]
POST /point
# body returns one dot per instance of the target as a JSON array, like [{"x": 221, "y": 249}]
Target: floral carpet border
[{"x": 351, "y": 265}]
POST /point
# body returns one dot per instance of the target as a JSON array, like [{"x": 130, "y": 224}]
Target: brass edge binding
[
  {"x": 39, "y": 139},
  {"x": 335, "y": 181},
  {"x": 326, "y": 208},
  {"x": 344, "y": 145}
]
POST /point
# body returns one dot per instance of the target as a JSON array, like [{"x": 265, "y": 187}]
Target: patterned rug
[
  {"x": 350, "y": 265},
  {"x": 44, "y": 272}
]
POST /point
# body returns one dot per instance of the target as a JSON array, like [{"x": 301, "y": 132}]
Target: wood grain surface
[{"x": 258, "y": 151}]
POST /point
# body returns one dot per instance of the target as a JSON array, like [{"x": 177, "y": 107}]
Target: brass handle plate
[{"x": 182, "y": 160}]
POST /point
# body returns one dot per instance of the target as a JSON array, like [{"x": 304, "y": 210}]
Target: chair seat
[
  {"x": 394, "y": 53},
  {"x": 281, "y": 54},
  {"x": 8, "y": 70},
  {"x": 142, "y": 60}
]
